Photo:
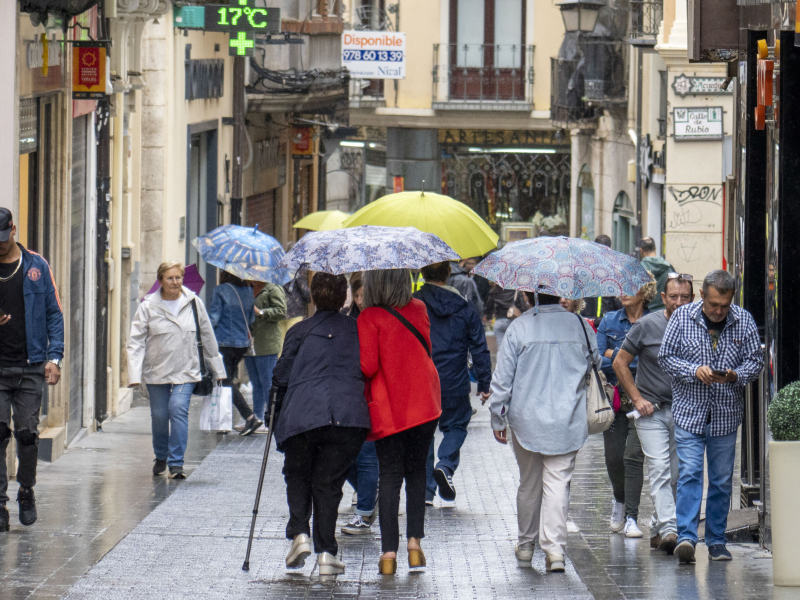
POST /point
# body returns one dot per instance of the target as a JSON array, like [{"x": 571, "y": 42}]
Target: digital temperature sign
[{"x": 242, "y": 20}]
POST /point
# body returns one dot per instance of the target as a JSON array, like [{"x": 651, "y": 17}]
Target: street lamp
[{"x": 580, "y": 15}]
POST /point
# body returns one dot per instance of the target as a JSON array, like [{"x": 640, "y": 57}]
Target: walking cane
[{"x": 246, "y": 565}]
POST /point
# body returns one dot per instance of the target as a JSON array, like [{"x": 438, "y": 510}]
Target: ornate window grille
[{"x": 646, "y": 17}]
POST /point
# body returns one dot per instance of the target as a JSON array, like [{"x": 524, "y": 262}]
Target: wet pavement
[
  {"x": 192, "y": 545},
  {"x": 87, "y": 501}
]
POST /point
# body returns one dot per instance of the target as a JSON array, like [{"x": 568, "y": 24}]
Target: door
[
  {"x": 486, "y": 50},
  {"x": 77, "y": 276},
  {"x": 201, "y": 200},
  {"x": 622, "y": 237}
]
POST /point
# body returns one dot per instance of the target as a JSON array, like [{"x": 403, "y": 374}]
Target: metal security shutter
[{"x": 261, "y": 211}]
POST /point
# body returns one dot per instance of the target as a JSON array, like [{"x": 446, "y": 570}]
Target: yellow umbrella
[
  {"x": 322, "y": 220},
  {"x": 454, "y": 222}
]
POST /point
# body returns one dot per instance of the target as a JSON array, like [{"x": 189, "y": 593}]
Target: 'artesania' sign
[
  {"x": 697, "y": 124},
  {"x": 374, "y": 54}
]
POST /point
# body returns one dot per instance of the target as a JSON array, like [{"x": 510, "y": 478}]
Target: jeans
[
  {"x": 625, "y": 463},
  {"x": 543, "y": 497},
  {"x": 402, "y": 456},
  {"x": 363, "y": 476},
  {"x": 500, "y": 326},
  {"x": 169, "y": 413},
  {"x": 21, "y": 389},
  {"x": 232, "y": 357},
  {"x": 260, "y": 368},
  {"x": 721, "y": 452},
  {"x": 657, "y": 436},
  {"x": 456, "y": 415},
  {"x": 315, "y": 465}
]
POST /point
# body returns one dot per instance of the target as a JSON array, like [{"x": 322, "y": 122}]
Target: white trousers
[
  {"x": 543, "y": 497},
  {"x": 657, "y": 436}
]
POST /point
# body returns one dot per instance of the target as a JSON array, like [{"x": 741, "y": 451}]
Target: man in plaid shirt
[{"x": 712, "y": 350}]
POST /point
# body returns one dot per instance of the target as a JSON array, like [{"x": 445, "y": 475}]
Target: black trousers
[
  {"x": 315, "y": 466},
  {"x": 232, "y": 357},
  {"x": 625, "y": 463},
  {"x": 21, "y": 389},
  {"x": 403, "y": 456}
]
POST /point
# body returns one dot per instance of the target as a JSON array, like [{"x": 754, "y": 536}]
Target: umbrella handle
[{"x": 255, "y": 229}]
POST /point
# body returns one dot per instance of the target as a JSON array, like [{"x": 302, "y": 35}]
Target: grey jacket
[
  {"x": 466, "y": 286},
  {"x": 539, "y": 384},
  {"x": 163, "y": 347}
]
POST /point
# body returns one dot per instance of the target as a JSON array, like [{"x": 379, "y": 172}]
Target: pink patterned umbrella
[{"x": 191, "y": 279}]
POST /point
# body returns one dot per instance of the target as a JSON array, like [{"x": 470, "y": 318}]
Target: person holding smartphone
[
  {"x": 32, "y": 329},
  {"x": 711, "y": 349}
]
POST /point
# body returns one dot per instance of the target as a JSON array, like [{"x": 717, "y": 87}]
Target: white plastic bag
[{"x": 216, "y": 413}]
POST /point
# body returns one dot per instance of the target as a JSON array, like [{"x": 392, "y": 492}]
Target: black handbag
[{"x": 205, "y": 386}]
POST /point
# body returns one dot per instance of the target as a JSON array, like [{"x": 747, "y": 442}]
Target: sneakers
[
  {"x": 668, "y": 543},
  {"x": 447, "y": 491},
  {"x": 176, "y": 472},
  {"x": 617, "y": 517},
  {"x": 252, "y": 424},
  {"x": 632, "y": 529},
  {"x": 299, "y": 552},
  {"x": 429, "y": 503},
  {"x": 240, "y": 426},
  {"x": 262, "y": 429},
  {"x": 27, "y": 506},
  {"x": 524, "y": 554},
  {"x": 554, "y": 563},
  {"x": 655, "y": 542},
  {"x": 357, "y": 526},
  {"x": 685, "y": 552},
  {"x": 328, "y": 564},
  {"x": 719, "y": 552},
  {"x": 5, "y": 520},
  {"x": 159, "y": 466}
]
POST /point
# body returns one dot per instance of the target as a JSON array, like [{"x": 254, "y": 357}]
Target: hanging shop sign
[
  {"x": 684, "y": 85},
  {"x": 88, "y": 70},
  {"x": 374, "y": 54},
  {"x": 302, "y": 142},
  {"x": 40, "y": 65},
  {"x": 697, "y": 124},
  {"x": 487, "y": 137},
  {"x": 241, "y": 19}
]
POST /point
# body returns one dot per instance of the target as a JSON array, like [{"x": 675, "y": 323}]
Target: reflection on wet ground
[
  {"x": 87, "y": 501},
  {"x": 192, "y": 544}
]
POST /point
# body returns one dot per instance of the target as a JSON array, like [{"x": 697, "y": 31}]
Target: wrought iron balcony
[
  {"x": 482, "y": 77},
  {"x": 567, "y": 106},
  {"x": 606, "y": 75},
  {"x": 646, "y": 17}
]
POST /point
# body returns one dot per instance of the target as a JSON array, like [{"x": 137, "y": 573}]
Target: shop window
[{"x": 622, "y": 238}]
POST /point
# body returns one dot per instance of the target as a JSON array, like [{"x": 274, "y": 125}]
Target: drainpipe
[
  {"x": 238, "y": 139},
  {"x": 637, "y": 162},
  {"x": 115, "y": 282}
]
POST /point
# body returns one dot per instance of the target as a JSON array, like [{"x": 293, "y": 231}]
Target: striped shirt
[{"x": 687, "y": 346}]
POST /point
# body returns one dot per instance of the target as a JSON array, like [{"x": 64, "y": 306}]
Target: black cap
[{"x": 6, "y": 221}]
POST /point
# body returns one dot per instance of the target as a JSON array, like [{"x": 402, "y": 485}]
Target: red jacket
[{"x": 402, "y": 383}]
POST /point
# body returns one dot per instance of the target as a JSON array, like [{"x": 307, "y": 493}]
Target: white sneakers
[
  {"x": 632, "y": 529},
  {"x": 617, "y": 517},
  {"x": 299, "y": 552},
  {"x": 524, "y": 553},
  {"x": 328, "y": 564},
  {"x": 554, "y": 563}
]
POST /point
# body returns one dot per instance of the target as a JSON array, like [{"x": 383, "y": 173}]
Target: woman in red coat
[{"x": 404, "y": 399}]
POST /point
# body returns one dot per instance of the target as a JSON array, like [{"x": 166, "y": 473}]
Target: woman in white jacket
[{"x": 162, "y": 354}]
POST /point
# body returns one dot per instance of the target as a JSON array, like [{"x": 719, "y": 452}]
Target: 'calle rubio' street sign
[
  {"x": 241, "y": 19},
  {"x": 697, "y": 124}
]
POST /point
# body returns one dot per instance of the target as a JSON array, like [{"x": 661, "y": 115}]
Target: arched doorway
[{"x": 623, "y": 217}]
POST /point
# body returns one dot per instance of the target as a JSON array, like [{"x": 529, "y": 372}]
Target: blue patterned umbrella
[
  {"x": 367, "y": 248},
  {"x": 244, "y": 252},
  {"x": 566, "y": 267}
]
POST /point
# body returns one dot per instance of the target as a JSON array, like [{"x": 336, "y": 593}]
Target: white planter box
[{"x": 784, "y": 477}]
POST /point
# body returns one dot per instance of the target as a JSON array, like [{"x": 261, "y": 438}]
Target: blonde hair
[
  {"x": 166, "y": 266},
  {"x": 578, "y": 305},
  {"x": 648, "y": 291}
]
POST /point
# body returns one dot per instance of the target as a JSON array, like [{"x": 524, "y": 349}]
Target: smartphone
[{"x": 719, "y": 373}]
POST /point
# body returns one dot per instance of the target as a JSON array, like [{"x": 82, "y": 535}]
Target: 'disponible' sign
[
  {"x": 374, "y": 54},
  {"x": 697, "y": 124}
]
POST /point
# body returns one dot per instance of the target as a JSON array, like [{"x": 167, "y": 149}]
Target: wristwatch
[{"x": 58, "y": 362}]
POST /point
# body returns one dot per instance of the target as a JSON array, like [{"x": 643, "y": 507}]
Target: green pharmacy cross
[{"x": 241, "y": 19}]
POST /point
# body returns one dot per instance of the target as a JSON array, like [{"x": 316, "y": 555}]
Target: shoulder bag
[
  {"x": 410, "y": 327},
  {"x": 251, "y": 350},
  {"x": 206, "y": 384},
  {"x": 599, "y": 414},
  {"x": 513, "y": 312}
]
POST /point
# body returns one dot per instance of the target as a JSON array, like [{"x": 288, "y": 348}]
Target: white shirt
[{"x": 173, "y": 306}]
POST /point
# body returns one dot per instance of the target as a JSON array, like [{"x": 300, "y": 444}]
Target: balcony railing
[
  {"x": 567, "y": 106},
  {"x": 482, "y": 77},
  {"x": 367, "y": 93},
  {"x": 646, "y": 17},
  {"x": 606, "y": 71}
]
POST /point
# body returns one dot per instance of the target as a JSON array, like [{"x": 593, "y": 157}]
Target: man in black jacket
[{"x": 456, "y": 332}]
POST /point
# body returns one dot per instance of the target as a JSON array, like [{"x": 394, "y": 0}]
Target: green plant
[{"x": 783, "y": 416}]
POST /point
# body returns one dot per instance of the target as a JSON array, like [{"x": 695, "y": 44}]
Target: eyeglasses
[
  {"x": 173, "y": 279},
  {"x": 684, "y": 276}
]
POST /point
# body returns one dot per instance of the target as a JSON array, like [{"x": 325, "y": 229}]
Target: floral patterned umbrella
[
  {"x": 244, "y": 252},
  {"x": 566, "y": 267},
  {"x": 367, "y": 248}
]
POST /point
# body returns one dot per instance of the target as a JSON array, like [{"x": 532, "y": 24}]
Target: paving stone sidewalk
[{"x": 193, "y": 544}]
